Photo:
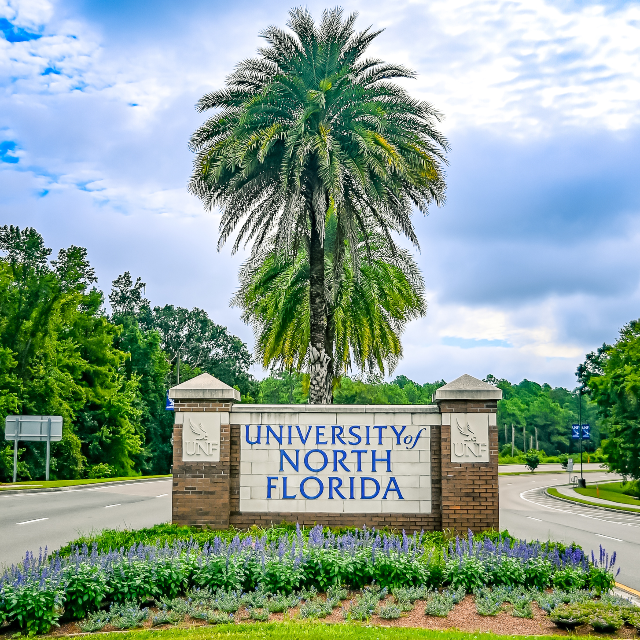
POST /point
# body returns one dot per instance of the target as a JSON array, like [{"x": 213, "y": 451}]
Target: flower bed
[{"x": 261, "y": 575}]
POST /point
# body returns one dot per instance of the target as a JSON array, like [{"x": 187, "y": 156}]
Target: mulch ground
[{"x": 463, "y": 617}]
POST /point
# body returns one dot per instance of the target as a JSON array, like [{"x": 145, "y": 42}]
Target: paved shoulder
[{"x": 540, "y": 497}]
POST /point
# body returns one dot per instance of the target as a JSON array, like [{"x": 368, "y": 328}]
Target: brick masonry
[{"x": 464, "y": 496}]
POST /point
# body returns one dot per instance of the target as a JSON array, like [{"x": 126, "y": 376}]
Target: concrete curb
[
  {"x": 76, "y": 487},
  {"x": 590, "y": 506}
]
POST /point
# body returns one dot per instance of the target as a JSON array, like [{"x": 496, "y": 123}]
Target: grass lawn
[
  {"x": 554, "y": 492},
  {"x": 614, "y": 491},
  {"x": 43, "y": 484},
  {"x": 306, "y": 631}
]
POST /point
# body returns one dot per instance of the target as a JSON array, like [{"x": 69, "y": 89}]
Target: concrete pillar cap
[
  {"x": 204, "y": 387},
  {"x": 467, "y": 387}
]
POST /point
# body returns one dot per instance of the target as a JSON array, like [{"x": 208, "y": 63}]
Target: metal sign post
[{"x": 32, "y": 429}]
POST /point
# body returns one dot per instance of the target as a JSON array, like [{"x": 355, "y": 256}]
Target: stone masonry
[{"x": 463, "y": 495}]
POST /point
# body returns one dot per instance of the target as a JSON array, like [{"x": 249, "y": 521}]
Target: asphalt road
[
  {"x": 527, "y": 513},
  {"x": 30, "y": 521}
]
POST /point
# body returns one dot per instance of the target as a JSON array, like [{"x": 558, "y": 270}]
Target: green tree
[
  {"x": 310, "y": 128},
  {"x": 367, "y": 311},
  {"x": 57, "y": 356},
  {"x": 612, "y": 379}
]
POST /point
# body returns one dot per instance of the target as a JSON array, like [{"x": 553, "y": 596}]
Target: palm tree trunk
[{"x": 320, "y": 383}]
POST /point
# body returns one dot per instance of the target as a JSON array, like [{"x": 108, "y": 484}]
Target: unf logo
[
  {"x": 200, "y": 436},
  {"x": 469, "y": 438}
]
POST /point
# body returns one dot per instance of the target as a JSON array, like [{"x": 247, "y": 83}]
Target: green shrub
[
  {"x": 601, "y": 580},
  {"x": 510, "y": 572},
  {"x": 468, "y": 572},
  {"x": 262, "y": 615},
  {"x": 215, "y": 617},
  {"x": 127, "y": 615},
  {"x": 537, "y": 573},
  {"x": 316, "y": 608},
  {"x": 390, "y": 612},
  {"x": 85, "y": 590},
  {"x": 95, "y": 621},
  {"x": 35, "y": 608},
  {"x": 606, "y": 621},
  {"x": 101, "y": 470},
  {"x": 569, "y": 579}
]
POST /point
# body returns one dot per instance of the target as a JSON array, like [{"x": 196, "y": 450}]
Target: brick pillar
[
  {"x": 201, "y": 485},
  {"x": 470, "y": 498}
]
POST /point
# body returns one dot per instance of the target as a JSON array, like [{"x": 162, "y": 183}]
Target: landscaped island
[{"x": 170, "y": 575}]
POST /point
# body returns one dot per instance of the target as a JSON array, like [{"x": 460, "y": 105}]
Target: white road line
[
  {"x": 601, "y": 535},
  {"x": 112, "y": 505},
  {"x": 30, "y": 521},
  {"x": 536, "y": 519},
  {"x": 162, "y": 495}
]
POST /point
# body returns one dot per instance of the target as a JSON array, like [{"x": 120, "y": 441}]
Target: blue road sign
[
  {"x": 575, "y": 431},
  {"x": 169, "y": 406}
]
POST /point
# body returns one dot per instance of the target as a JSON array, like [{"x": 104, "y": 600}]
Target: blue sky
[{"x": 532, "y": 262}]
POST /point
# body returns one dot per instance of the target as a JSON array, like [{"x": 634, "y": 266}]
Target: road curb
[
  {"x": 76, "y": 487},
  {"x": 590, "y": 506}
]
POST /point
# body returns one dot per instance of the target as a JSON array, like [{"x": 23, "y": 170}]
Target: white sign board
[
  {"x": 33, "y": 428},
  {"x": 201, "y": 435},
  {"x": 469, "y": 437},
  {"x": 570, "y": 465},
  {"x": 363, "y": 464}
]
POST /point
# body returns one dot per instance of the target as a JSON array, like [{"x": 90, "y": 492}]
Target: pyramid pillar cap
[
  {"x": 204, "y": 387},
  {"x": 467, "y": 387}
]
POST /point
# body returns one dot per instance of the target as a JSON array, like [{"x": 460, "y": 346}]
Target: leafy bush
[
  {"x": 95, "y": 621},
  {"x": 35, "y": 607},
  {"x": 216, "y": 617},
  {"x": 316, "y": 608},
  {"x": 606, "y": 621},
  {"x": 259, "y": 614},
  {"x": 467, "y": 571},
  {"x": 86, "y": 588},
  {"x": 127, "y": 615},
  {"x": 569, "y": 578},
  {"x": 601, "y": 578},
  {"x": 509, "y": 571},
  {"x": 488, "y": 602},
  {"x": 568, "y": 616},
  {"x": 365, "y": 605},
  {"x": 101, "y": 470},
  {"x": 390, "y": 612},
  {"x": 532, "y": 460},
  {"x": 440, "y": 604}
]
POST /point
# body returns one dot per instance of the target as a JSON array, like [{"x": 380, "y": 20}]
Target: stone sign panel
[
  {"x": 335, "y": 463},
  {"x": 201, "y": 435},
  {"x": 408, "y": 467},
  {"x": 469, "y": 437}
]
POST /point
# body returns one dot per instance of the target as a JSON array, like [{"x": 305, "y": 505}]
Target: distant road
[
  {"x": 527, "y": 513},
  {"x": 30, "y": 521}
]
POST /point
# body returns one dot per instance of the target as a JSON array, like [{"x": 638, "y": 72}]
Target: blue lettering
[
  {"x": 304, "y": 440},
  {"x": 396, "y": 488},
  {"x": 257, "y": 441},
  {"x": 338, "y": 436},
  {"x": 363, "y": 494},
  {"x": 289, "y": 438},
  {"x": 355, "y": 435},
  {"x": 375, "y": 459},
  {"x": 380, "y": 428},
  {"x": 320, "y": 487},
  {"x": 367, "y": 428},
  {"x": 336, "y": 488},
  {"x": 270, "y": 486},
  {"x": 359, "y": 453},
  {"x": 340, "y": 462},
  {"x": 324, "y": 457},
  {"x": 285, "y": 496},
  {"x": 397, "y": 434},
  {"x": 351, "y": 488},
  {"x": 320, "y": 434},
  {"x": 278, "y": 438},
  {"x": 415, "y": 442},
  {"x": 284, "y": 455}
]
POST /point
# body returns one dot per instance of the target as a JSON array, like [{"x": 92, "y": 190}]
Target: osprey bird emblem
[
  {"x": 466, "y": 432},
  {"x": 198, "y": 431}
]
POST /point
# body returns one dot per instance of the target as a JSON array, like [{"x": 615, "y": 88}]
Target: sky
[{"x": 533, "y": 261}]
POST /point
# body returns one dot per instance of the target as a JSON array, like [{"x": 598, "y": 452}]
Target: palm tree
[
  {"x": 311, "y": 127},
  {"x": 367, "y": 310}
]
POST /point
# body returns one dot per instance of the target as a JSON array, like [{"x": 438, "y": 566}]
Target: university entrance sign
[{"x": 405, "y": 466}]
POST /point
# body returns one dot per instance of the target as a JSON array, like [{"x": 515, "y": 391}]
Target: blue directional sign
[
  {"x": 575, "y": 431},
  {"x": 169, "y": 406}
]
